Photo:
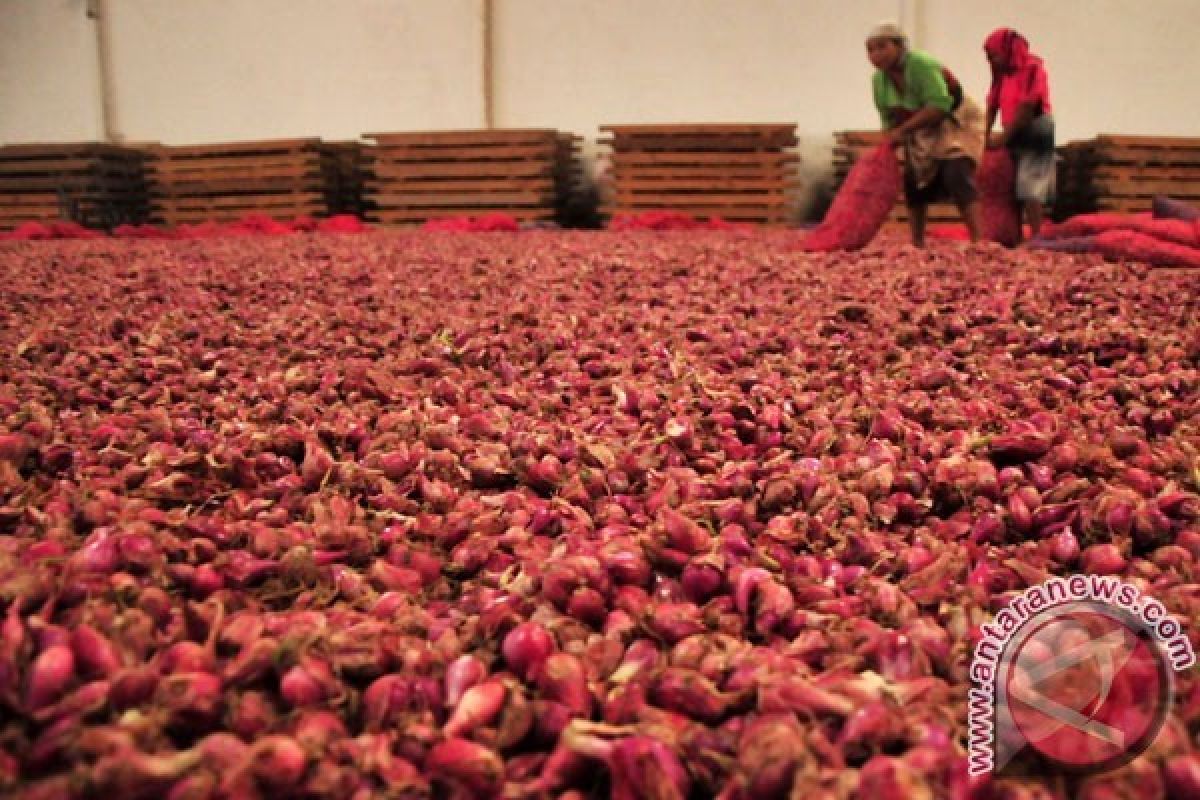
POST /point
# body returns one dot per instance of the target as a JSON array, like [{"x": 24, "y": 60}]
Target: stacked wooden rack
[
  {"x": 280, "y": 178},
  {"x": 418, "y": 176},
  {"x": 1124, "y": 173},
  {"x": 96, "y": 185},
  {"x": 738, "y": 172}
]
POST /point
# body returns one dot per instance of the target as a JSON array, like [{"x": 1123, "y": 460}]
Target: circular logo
[{"x": 1086, "y": 686}]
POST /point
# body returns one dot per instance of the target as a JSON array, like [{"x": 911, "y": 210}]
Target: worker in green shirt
[{"x": 924, "y": 110}]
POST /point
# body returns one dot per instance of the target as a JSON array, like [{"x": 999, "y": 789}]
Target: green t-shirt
[{"x": 924, "y": 85}]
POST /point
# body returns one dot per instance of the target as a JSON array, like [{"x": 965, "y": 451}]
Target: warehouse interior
[
  {"x": 569, "y": 400},
  {"x": 221, "y": 70}
]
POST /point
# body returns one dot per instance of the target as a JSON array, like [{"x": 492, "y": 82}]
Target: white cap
[{"x": 887, "y": 30}]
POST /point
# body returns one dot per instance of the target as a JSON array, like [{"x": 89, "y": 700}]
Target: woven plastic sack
[
  {"x": 998, "y": 198},
  {"x": 1133, "y": 246},
  {"x": 448, "y": 225},
  {"x": 1169, "y": 230},
  {"x": 655, "y": 221},
  {"x": 496, "y": 222},
  {"x": 57, "y": 229},
  {"x": 140, "y": 232},
  {"x": 862, "y": 204},
  {"x": 31, "y": 232},
  {"x": 259, "y": 224},
  {"x": 342, "y": 223},
  {"x": 1169, "y": 208},
  {"x": 949, "y": 232},
  {"x": 1091, "y": 224}
]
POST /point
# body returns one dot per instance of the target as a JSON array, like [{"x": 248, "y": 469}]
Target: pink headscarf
[
  {"x": 1011, "y": 47},
  {"x": 1026, "y": 70}
]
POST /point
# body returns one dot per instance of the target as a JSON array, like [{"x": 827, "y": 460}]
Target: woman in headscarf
[
  {"x": 923, "y": 108},
  {"x": 1020, "y": 94}
]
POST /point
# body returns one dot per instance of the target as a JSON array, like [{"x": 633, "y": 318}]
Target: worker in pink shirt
[{"x": 1020, "y": 95}]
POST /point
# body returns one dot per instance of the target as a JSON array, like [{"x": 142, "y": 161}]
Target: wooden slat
[
  {"x": 403, "y": 154},
  {"x": 230, "y": 148},
  {"x": 413, "y": 217},
  {"x": 292, "y": 208},
  {"x": 1121, "y": 206},
  {"x": 221, "y": 216},
  {"x": 203, "y": 214},
  {"x": 1123, "y": 140},
  {"x": 441, "y": 200},
  {"x": 1143, "y": 155},
  {"x": 472, "y": 138},
  {"x": 713, "y": 184},
  {"x": 200, "y": 204},
  {"x": 699, "y": 127},
  {"x": 296, "y": 176},
  {"x": 869, "y": 138},
  {"x": 232, "y": 165},
  {"x": 1183, "y": 188},
  {"x": 235, "y": 188},
  {"x": 499, "y": 169},
  {"x": 693, "y": 158},
  {"x": 34, "y": 199},
  {"x": 700, "y": 144},
  {"x": 1162, "y": 173},
  {"x": 244, "y": 199},
  {"x": 16, "y": 152},
  {"x": 782, "y": 177},
  {"x": 545, "y": 184},
  {"x": 770, "y": 217},
  {"x": 52, "y": 183},
  {"x": 32, "y": 212},
  {"x": 68, "y": 166},
  {"x": 701, "y": 198}
]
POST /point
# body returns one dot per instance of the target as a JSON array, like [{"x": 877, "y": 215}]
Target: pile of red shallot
[{"x": 567, "y": 515}]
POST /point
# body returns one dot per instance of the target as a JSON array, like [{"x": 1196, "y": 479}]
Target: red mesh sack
[
  {"x": 342, "y": 223},
  {"x": 32, "y": 231},
  {"x": 1091, "y": 224},
  {"x": 201, "y": 230},
  {"x": 496, "y": 222},
  {"x": 448, "y": 225},
  {"x": 722, "y": 224},
  {"x": 303, "y": 224},
  {"x": 862, "y": 204},
  {"x": 1169, "y": 208},
  {"x": 655, "y": 221},
  {"x": 484, "y": 223},
  {"x": 259, "y": 224},
  {"x": 140, "y": 232},
  {"x": 1169, "y": 230},
  {"x": 997, "y": 177},
  {"x": 953, "y": 233},
  {"x": 73, "y": 230},
  {"x": 1134, "y": 246}
]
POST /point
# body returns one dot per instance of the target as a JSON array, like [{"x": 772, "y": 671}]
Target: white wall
[
  {"x": 216, "y": 70},
  {"x": 1116, "y": 66},
  {"x": 49, "y": 89},
  {"x": 578, "y": 64},
  {"x": 212, "y": 70}
]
